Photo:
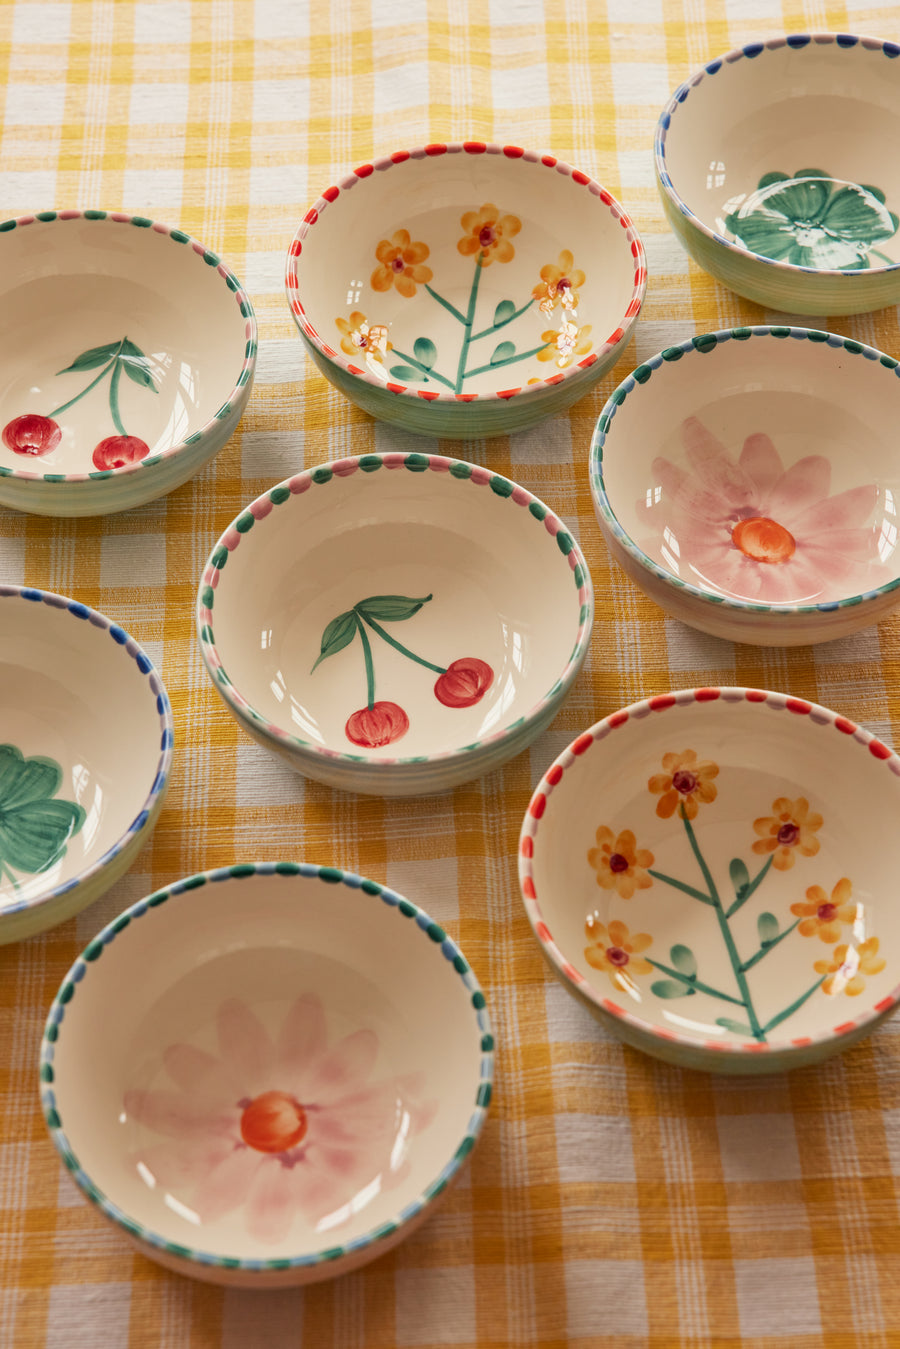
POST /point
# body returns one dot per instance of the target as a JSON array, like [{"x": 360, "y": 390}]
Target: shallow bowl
[
  {"x": 282, "y": 1102},
  {"x": 748, "y": 481},
  {"x": 777, "y": 171},
  {"x": 85, "y": 752},
  {"x": 465, "y": 290},
  {"x": 395, "y": 624},
  {"x": 710, "y": 873},
  {"x": 127, "y": 352}
]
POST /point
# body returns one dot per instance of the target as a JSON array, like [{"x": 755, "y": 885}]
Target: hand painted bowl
[
  {"x": 128, "y": 352},
  {"x": 465, "y": 290},
  {"x": 85, "y": 752},
  {"x": 710, "y": 873},
  {"x": 395, "y": 624},
  {"x": 748, "y": 482},
  {"x": 283, "y": 1102},
  {"x": 734, "y": 147}
]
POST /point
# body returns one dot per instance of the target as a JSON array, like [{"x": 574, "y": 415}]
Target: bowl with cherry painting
[
  {"x": 395, "y": 623},
  {"x": 128, "y": 357}
]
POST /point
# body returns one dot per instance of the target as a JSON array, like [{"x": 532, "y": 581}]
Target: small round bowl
[
  {"x": 465, "y": 290},
  {"x": 282, "y": 1105},
  {"x": 128, "y": 351},
  {"x": 710, "y": 873},
  {"x": 395, "y": 605},
  {"x": 85, "y": 752},
  {"x": 734, "y": 147},
  {"x": 748, "y": 482}
]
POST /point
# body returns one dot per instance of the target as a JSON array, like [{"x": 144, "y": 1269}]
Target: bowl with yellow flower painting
[
  {"x": 465, "y": 289},
  {"x": 707, "y": 872}
]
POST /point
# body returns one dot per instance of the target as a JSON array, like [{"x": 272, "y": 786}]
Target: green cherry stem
[
  {"x": 794, "y": 1007},
  {"x": 509, "y": 360},
  {"x": 427, "y": 371},
  {"x": 93, "y": 384},
  {"x": 398, "y": 646},
  {"x": 446, "y": 303},
  {"x": 769, "y": 946},
  {"x": 114, "y": 399},
  {"x": 693, "y": 982},
  {"x": 467, "y": 322},
  {"x": 495, "y": 327},
  {"x": 370, "y": 667},
  {"x": 757, "y": 880}
]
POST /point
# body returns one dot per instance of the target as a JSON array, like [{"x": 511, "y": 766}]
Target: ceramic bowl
[
  {"x": 395, "y": 624},
  {"x": 127, "y": 351},
  {"x": 777, "y": 172},
  {"x": 85, "y": 752},
  {"x": 710, "y": 873},
  {"x": 465, "y": 290},
  {"x": 748, "y": 481},
  {"x": 282, "y": 1102}
]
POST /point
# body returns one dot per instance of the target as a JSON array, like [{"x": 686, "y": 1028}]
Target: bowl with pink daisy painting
[
  {"x": 282, "y": 1104},
  {"x": 747, "y": 481}
]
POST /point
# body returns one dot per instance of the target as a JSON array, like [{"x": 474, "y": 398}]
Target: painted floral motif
[
  {"x": 616, "y": 952},
  {"x": 564, "y": 345},
  {"x": 401, "y": 264},
  {"x": 814, "y": 220},
  {"x": 35, "y": 825},
  {"x": 822, "y": 916},
  {"x": 790, "y": 829},
  {"x": 619, "y": 863},
  {"x": 461, "y": 684},
  {"x": 488, "y": 234},
  {"x": 279, "y": 1127},
  {"x": 847, "y": 970},
  {"x": 360, "y": 338},
  {"x": 559, "y": 284},
  {"x": 34, "y": 434},
  {"x": 753, "y": 529},
  {"x": 685, "y": 783}
]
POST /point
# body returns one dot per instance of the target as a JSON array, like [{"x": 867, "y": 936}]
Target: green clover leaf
[{"x": 34, "y": 827}]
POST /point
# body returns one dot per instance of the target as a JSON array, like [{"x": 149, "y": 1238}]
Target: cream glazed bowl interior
[
  {"x": 465, "y": 289},
  {"x": 748, "y": 482},
  {"x": 127, "y": 356},
  {"x": 298, "y": 1064},
  {"x": 395, "y": 623},
  {"x": 710, "y": 872},
  {"x": 777, "y": 171},
  {"x": 85, "y": 753}
]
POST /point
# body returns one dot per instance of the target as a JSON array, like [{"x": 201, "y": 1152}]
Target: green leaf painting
[{"x": 35, "y": 826}]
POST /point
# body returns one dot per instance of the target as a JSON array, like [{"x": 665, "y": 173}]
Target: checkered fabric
[{"x": 612, "y": 1201}]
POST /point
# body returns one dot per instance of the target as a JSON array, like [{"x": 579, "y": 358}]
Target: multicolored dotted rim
[
  {"x": 703, "y": 345},
  {"x": 432, "y": 932},
  {"x": 368, "y": 464},
  {"x": 82, "y": 613},
  {"x": 630, "y": 716},
  {"x": 798, "y": 42},
  {"x": 510, "y": 152},
  {"x": 237, "y": 395}
]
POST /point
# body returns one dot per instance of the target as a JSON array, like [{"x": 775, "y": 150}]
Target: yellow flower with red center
[
  {"x": 488, "y": 234},
  {"x": 559, "y": 284},
  {"x": 619, "y": 863},
  {"x": 401, "y": 264},
  {"x": 686, "y": 782},
  {"x": 616, "y": 952},
  {"x": 790, "y": 829},
  {"x": 849, "y": 966},
  {"x": 823, "y": 916},
  {"x": 563, "y": 346},
  {"x": 359, "y": 338}
]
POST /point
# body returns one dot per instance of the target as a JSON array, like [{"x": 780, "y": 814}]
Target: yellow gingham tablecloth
[{"x": 612, "y": 1201}]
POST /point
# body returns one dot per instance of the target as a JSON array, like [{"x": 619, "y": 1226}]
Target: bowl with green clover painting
[
  {"x": 776, "y": 168},
  {"x": 128, "y": 351},
  {"x": 465, "y": 289},
  {"x": 85, "y": 753},
  {"x": 709, "y": 873},
  {"x": 299, "y": 1065}
]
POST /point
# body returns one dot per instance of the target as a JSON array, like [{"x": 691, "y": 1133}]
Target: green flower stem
[
  {"x": 495, "y": 327},
  {"x": 509, "y": 360},
  {"x": 680, "y": 885},
  {"x": 884, "y": 257},
  {"x": 735, "y": 959},
  {"x": 446, "y": 303},
  {"x": 426, "y": 369},
  {"x": 468, "y": 321},
  {"x": 757, "y": 880},
  {"x": 370, "y": 668},
  {"x": 693, "y": 982},
  {"x": 93, "y": 384},
  {"x": 15, "y": 883},
  {"x": 769, "y": 946},
  {"x": 794, "y": 1007},
  {"x": 398, "y": 646},
  {"x": 114, "y": 399}
]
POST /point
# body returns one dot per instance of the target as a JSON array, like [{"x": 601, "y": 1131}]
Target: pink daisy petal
[
  {"x": 715, "y": 467},
  {"x": 667, "y": 481},
  {"x": 317, "y": 1193},
  {"x": 761, "y": 462},
  {"x": 803, "y": 485},
  {"x": 343, "y": 1068},
  {"x": 181, "y": 1166},
  {"x": 244, "y": 1043},
  {"x": 178, "y": 1115},
  {"x": 199, "y": 1073},
  {"x": 302, "y": 1037},
  {"x": 226, "y": 1188},
  {"x": 847, "y": 510},
  {"x": 273, "y": 1202}
]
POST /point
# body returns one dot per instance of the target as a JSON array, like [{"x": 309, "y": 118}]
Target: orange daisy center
[
  {"x": 763, "y": 540},
  {"x": 273, "y": 1122}
]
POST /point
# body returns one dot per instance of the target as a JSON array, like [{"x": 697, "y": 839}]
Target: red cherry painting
[
  {"x": 31, "y": 434},
  {"x": 464, "y": 682},
  {"x": 378, "y": 725},
  {"x": 118, "y": 451}
]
